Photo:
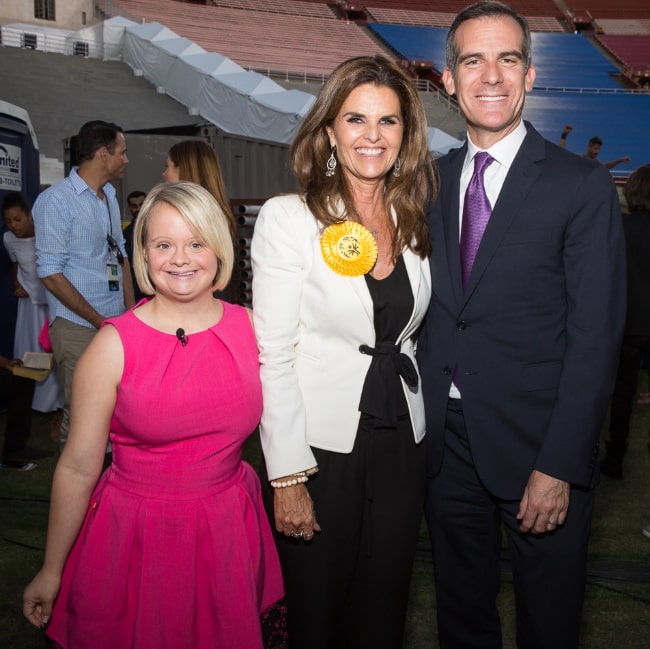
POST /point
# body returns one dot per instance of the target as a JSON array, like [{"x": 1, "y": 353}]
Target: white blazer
[{"x": 309, "y": 323}]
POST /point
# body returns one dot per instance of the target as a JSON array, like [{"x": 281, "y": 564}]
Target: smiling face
[
  {"x": 19, "y": 222},
  {"x": 180, "y": 265},
  {"x": 490, "y": 80},
  {"x": 367, "y": 133}
]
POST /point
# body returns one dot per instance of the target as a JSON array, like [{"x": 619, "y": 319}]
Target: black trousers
[
  {"x": 17, "y": 392},
  {"x": 349, "y": 587},
  {"x": 465, "y": 523},
  {"x": 629, "y": 363}
]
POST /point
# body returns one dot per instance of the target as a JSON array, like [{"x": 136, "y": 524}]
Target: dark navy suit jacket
[{"x": 534, "y": 338}]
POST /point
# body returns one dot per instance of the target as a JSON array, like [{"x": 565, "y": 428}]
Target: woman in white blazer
[{"x": 340, "y": 287}]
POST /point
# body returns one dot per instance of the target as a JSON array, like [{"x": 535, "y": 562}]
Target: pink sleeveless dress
[{"x": 175, "y": 551}]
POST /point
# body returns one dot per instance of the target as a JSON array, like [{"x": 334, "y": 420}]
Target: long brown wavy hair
[{"x": 405, "y": 196}]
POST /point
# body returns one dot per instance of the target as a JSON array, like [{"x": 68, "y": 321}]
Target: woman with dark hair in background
[{"x": 340, "y": 286}]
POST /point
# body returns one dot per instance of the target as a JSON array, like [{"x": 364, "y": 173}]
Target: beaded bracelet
[{"x": 294, "y": 478}]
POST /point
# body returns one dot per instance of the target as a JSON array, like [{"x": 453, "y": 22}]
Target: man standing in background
[
  {"x": 134, "y": 200},
  {"x": 594, "y": 146},
  {"x": 80, "y": 249}
]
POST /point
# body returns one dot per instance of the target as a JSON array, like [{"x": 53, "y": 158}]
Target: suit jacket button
[
  {"x": 447, "y": 370},
  {"x": 461, "y": 325}
]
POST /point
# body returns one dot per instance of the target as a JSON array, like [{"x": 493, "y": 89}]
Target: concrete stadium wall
[{"x": 70, "y": 14}]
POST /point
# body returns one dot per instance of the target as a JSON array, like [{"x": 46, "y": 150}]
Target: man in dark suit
[{"x": 519, "y": 349}]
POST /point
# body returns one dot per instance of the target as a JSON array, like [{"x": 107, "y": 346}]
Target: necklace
[{"x": 357, "y": 218}]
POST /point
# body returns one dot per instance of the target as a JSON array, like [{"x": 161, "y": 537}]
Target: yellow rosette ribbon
[{"x": 348, "y": 248}]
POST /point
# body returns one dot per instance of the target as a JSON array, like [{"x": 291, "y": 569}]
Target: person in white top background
[{"x": 33, "y": 311}]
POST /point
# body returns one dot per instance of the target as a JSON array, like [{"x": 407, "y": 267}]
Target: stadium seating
[
  {"x": 274, "y": 41},
  {"x": 441, "y": 19},
  {"x": 529, "y": 8},
  {"x": 577, "y": 80},
  {"x": 565, "y": 60},
  {"x": 598, "y": 9},
  {"x": 632, "y": 51},
  {"x": 631, "y": 26}
]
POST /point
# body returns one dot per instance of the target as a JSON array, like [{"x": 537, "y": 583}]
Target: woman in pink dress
[{"x": 169, "y": 548}]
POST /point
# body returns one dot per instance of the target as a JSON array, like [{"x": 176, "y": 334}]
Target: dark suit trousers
[
  {"x": 629, "y": 363},
  {"x": 465, "y": 523}
]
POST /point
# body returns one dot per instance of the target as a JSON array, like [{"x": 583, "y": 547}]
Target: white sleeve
[{"x": 280, "y": 254}]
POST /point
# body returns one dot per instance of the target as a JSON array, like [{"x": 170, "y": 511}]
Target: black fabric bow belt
[{"x": 387, "y": 360}]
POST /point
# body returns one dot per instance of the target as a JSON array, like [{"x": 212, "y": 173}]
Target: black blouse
[{"x": 382, "y": 397}]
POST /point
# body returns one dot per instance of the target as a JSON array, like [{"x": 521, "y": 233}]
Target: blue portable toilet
[
  {"x": 19, "y": 163},
  {"x": 19, "y": 172}
]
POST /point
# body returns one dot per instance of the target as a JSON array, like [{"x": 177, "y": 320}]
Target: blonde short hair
[{"x": 203, "y": 216}]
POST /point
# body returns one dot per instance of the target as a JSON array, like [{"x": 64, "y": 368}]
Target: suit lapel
[
  {"x": 412, "y": 263},
  {"x": 413, "y": 266},
  {"x": 361, "y": 289},
  {"x": 450, "y": 208}
]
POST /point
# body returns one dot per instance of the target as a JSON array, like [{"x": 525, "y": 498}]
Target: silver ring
[{"x": 297, "y": 535}]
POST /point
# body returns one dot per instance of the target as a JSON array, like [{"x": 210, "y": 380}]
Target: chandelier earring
[
  {"x": 397, "y": 168},
  {"x": 331, "y": 163}
]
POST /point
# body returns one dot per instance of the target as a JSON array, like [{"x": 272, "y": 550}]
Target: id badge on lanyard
[{"x": 113, "y": 277}]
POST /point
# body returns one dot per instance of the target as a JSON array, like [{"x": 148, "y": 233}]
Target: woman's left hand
[{"x": 294, "y": 512}]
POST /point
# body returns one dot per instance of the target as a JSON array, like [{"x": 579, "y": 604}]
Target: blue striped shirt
[{"x": 71, "y": 224}]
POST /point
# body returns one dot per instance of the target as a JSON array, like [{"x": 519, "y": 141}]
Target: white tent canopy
[
  {"x": 211, "y": 63},
  {"x": 212, "y": 86},
  {"x": 114, "y": 37}
]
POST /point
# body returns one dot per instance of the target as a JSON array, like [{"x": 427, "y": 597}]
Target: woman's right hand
[
  {"x": 294, "y": 512},
  {"x": 39, "y": 597}
]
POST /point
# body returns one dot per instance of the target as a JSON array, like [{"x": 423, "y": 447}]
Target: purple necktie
[{"x": 476, "y": 214}]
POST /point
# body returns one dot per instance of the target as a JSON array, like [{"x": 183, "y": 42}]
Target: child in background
[{"x": 32, "y": 304}]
